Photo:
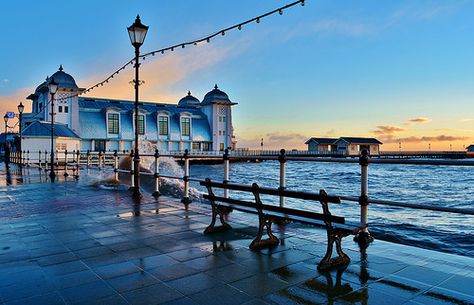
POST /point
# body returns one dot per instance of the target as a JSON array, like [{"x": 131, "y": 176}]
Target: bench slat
[
  {"x": 276, "y": 192},
  {"x": 281, "y": 210}
]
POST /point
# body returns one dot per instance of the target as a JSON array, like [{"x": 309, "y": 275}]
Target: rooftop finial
[
  {"x": 215, "y": 86},
  {"x": 189, "y": 92},
  {"x": 47, "y": 77},
  {"x": 61, "y": 67}
]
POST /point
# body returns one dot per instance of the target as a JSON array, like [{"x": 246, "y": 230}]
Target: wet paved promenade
[{"x": 70, "y": 243}]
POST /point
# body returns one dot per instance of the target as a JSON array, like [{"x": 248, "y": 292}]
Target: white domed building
[{"x": 100, "y": 124}]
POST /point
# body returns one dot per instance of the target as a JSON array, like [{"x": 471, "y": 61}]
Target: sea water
[{"x": 442, "y": 186}]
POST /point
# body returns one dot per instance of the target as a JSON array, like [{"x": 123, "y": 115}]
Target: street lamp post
[
  {"x": 21, "y": 108},
  {"x": 137, "y": 32},
  {"x": 5, "y": 118},
  {"x": 7, "y": 156},
  {"x": 53, "y": 87}
]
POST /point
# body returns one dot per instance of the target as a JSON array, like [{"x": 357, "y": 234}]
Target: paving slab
[{"x": 74, "y": 243}]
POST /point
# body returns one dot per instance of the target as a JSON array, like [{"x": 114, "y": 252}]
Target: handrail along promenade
[{"x": 74, "y": 160}]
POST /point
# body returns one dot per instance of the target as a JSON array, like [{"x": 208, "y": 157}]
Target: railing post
[
  {"x": 132, "y": 170},
  {"x": 40, "y": 165},
  {"x": 45, "y": 160},
  {"x": 226, "y": 171},
  {"x": 186, "y": 200},
  {"x": 65, "y": 163},
  {"x": 57, "y": 160},
  {"x": 100, "y": 158},
  {"x": 27, "y": 158},
  {"x": 88, "y": 157},
  {"x": 78, "y": 160},
  {"x": 282, "y": 160},
  {"x": 156, "y": 193},
  {"x": 364, "y": 237},
  {"x": 116, "y": 165}
]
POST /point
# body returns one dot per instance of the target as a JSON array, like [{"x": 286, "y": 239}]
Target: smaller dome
[
  {"x": 189, "y": 101},
  {"x": 216, "y": 96},
  {"x": 64, "y": 80}
]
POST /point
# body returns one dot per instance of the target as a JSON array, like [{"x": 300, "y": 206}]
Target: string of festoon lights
[{"x": 204, "y": 39}]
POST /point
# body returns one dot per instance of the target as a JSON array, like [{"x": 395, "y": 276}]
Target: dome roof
[
  {"x": 189, "y": 101},
  {"x": 64, "y": 81},
  {"x": 216, "y": 96}
]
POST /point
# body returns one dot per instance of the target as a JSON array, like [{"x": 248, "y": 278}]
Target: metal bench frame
[{"x": 267, "y": 214}]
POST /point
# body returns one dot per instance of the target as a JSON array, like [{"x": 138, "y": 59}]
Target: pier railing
[{"x": 74, "y": 160}]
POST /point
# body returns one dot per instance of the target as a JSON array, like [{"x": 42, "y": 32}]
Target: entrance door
[{"x": 99, "y": 145}]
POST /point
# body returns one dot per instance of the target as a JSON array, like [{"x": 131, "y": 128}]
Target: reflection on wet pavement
[{"x": 69, "y": 243}]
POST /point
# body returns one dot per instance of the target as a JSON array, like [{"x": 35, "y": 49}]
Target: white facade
[{"x": 104, "y": 124}]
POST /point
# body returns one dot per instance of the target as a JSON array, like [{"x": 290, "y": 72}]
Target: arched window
[
  {"x": 113, "y": 122},
  {"x": 185, "y": 124},
  {"x": 163, "y": 124}
]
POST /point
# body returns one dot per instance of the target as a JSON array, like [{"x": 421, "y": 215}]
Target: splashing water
[{"x": 167, "y": 166}]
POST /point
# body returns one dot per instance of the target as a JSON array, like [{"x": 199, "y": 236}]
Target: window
[
  {"x": 66, "y": 109},
  {"x": 40, "y": 106},
  {"x": 196, "y": 146},
  {"x": 205, "y": 146},
  {"x": 61, "y": 146},
  {"x": 220, "y": 119},
  {"x": 223, "y": 132},
  {"x": 113, "y": 123},
  {"x": 141, "y": 124},
  {"x": 223, "y": 119},
  {"x": 185, "y": 127},
  {"x": 60, "y": 108},
  {"x": 221, "y": 146},
  {"x": 163, "y": 125}
]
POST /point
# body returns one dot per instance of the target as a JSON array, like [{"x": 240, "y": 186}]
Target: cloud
[
  {"x": 275, "y": 140},
  {"x": 341, "y": 27},
  {"x": 417, "y": 120},
  {"x": 330, "y": 132},
  {"x": 413, "y": 139},
  {"x": 465, "y": 120},
  {"x": 388, "y": 130},
  {"x": 277, "y": 137},
  {"x": 4, "y": 82},
  {"x": 160, "y": 74},
  {"x": 10, "y": 102},
  {"x": 364, "y": 26}
]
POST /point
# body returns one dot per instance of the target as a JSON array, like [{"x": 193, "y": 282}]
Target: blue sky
[{"x": 390, "y": 69}]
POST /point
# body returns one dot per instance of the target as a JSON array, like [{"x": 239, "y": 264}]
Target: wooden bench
[{"x": 337, "y": 227}]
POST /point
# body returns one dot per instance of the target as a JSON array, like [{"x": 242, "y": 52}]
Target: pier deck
[{"x": 69, "y": 243}]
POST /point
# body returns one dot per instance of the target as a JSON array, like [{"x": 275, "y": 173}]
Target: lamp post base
[
  {"x": 136, "y": 192},
  {"x": 186, "y": 200},
  {"x": 363, "y": 239}
]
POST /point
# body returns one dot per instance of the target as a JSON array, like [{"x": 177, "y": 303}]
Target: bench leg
[
  {"x": 212, "y": 228},
  {"x": 342, "y": 260},
  {"x": 259, "y": 243}
]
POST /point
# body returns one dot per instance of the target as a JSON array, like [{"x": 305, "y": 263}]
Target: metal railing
[{"x": 75, "y": 159}]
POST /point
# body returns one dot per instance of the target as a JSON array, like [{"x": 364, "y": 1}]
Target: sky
[{"x": 401, "y": 71}]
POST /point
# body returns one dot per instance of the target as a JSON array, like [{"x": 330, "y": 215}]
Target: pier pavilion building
[
  {"x": 101, "y": 124},
  {"x": 348, "y": 146}
]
